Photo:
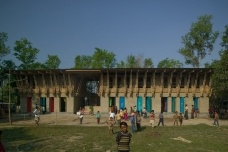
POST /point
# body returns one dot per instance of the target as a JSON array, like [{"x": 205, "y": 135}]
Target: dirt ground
[{"x": 90, "y": 120}]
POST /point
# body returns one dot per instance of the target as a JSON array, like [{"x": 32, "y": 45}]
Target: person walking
[
  {"x": 37, "y": 115},
  {"x": 81, "y": 118},
  {"x": 161, "y": 119},
  {"x": 98, "y": 116}
]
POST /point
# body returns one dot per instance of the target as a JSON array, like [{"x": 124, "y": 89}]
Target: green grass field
[{"x": 79, "y": 138}]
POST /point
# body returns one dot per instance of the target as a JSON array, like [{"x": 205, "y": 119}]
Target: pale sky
[{"x": 151, "y": 28}]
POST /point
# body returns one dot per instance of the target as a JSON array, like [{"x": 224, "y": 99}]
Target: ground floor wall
[{"x": 71, "y": 104}]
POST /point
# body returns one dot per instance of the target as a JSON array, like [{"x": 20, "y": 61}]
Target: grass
[{"x": 48, "y": 138}]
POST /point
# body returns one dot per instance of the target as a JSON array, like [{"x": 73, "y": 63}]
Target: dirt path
[{"x": 89, "y": 120}]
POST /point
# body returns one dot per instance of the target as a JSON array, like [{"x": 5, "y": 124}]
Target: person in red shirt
[{"x": 2, "y": 149}]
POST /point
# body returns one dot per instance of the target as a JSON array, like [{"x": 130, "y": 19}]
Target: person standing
[
  {"x": 186, "y": 112},
  {"x": 216, "y": 119},
  {"x": 110, "y": 125},
  {"x": 161, "y": 119},
  {"x": 175, "y": 119},
  {"x": 123, "y": 138},
  {"x": 133, "y": 129},
  {"x": 138, "y": 121},
  {"x": 118, "y": 117},
  {"x": 181, "y": 119},
  {"x": 2, "y": 149},
  {"x": 152, "y": 118},
  {"x": 192, "y": 112},
  {"x": 98, "y": 116}
]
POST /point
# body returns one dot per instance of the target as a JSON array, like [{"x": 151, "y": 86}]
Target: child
[
  {"x": 118, "y": 117},
  {"x": 37, "y": 115},
  {"x": 98, "y": 116},
  {"x": 110, "y": 125},
  {"x": 123, "y": 138},
  {"x": 175, "y": 119},
  {"x": 133, "y": 123},
  {"x": 181, "y": 119},
  {"x": 152, "y": 118},
  {"x": 161, "y": 119},
  {"x": 81, "y": 118},
  {"x": 138, "y": 121},
  {"x": 216, "y": 118}
]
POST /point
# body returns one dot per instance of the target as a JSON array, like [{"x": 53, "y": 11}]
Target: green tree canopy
[
  {"x": 220, "y": 76},
  {"x": 148, "y": 63},
  {"x": 169, "y": 63},
  {"x": 199, "y": 41},
  {"x": 25, "y": 53},
  {"x": 82, "y": 62},
  {"x": 103, "y": 59},
  {"x": 4, "y": 50},
  {"x": 53, "y": 62}
]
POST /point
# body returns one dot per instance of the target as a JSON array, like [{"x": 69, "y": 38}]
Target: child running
[{"x": 123, "y": 138}]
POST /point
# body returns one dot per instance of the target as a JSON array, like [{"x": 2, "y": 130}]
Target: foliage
[
  {"x": 53, "y": 62},
  {"x": 169, "y": 63},
  {"x": 4, "y": 50},
  {"x": 103, "y": 59},
  {"x": 199, "y": 41},
  {"x": 82, "y": 62},
  {"x": 220, "y": 76},
  {"x": 97, "y": 139},
  {"x": 25, "y": 53},
  {"x": 148, "y": 63}
]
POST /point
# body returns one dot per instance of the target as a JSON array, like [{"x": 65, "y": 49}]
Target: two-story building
[{"x": 159, "y": 89}]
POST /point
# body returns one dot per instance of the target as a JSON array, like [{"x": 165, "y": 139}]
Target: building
[{"x": 160, "y": 89}]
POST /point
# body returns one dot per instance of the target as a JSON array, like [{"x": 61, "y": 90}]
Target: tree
[
  {"x": 220, "y": 76},
  {"x": 169, "y": 63},
  {"x": 4, "y": 50},
  {"x": 130, "y": 61},
  {"x": 199, "y": 41},
  {"x": 103, "y": 59},
  {"x": 25, "y": 53},
  {"x": 53, "y": 62},
  {"x": 121, "y": 64},
  {"x": 82, "y": 62},
  {"x": 148, "y": 63}
]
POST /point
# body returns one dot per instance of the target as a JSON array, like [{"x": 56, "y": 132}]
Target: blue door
[
  {"x": 43, "y": 103},
  {"x": 139, "y": 103},
  {"x": 195, "y": 99},
  {"x": 182, "y": 104},
  {"x": 122, "y": 103},
  {"x": 148, "y": 104},
  {"x": 173, "y": 104}
]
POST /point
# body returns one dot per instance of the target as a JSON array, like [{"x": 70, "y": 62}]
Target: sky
[{"x": 147, "y": 28}]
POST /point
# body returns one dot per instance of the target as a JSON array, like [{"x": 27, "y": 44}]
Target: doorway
[
  {"x": 62, "y": 104},
  {"x": 122, "y": 103},
  {"x": 148, "y": 104},
  {"x": 139, "y": 103},
  {"x": 164, "y": 104},
  {"x": 182, "y": 104},
  {"x": 51, "y": 104}
]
